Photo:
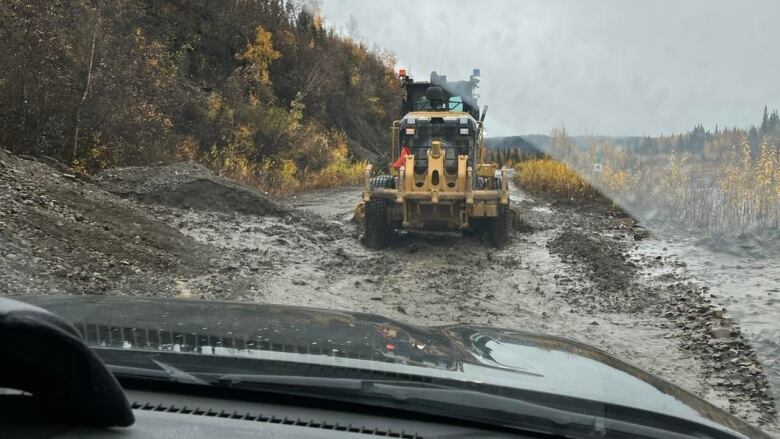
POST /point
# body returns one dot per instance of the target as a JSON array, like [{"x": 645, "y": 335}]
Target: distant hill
[
  {"x": 540, "y": 143},
  {"x": 695, "y": 141}
]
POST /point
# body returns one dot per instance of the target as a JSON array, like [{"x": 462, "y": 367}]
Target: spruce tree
[
  {"x": 764, "y": 123},
  {"x": 773, "y": 123}
]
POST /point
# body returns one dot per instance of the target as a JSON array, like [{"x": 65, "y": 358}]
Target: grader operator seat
[{"x": 435, "y": 96}]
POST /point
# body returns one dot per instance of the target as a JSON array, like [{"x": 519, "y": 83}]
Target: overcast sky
[{"x": 618, "y": 67}]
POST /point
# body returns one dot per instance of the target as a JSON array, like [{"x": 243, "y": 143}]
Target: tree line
[
  {"x": 711, "y": 143},
  {"x": 241, "y": 85}
]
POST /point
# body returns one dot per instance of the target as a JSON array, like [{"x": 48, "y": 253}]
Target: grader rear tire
[{"x": 377, "y": 231}]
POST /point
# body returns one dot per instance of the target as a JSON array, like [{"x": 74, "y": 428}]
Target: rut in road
[{"x": 574, "y": 270}]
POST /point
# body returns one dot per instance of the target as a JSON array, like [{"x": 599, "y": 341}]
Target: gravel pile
[
  {"x": 62, "y": 234},
  {"x": 188, "y": 186}
]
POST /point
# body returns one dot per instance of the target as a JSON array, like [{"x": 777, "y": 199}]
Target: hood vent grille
[{"x": 322, "y": 425}]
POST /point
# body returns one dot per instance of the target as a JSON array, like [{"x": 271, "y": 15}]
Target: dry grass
[
  {"x": 736, "y": 193},
  {"x": 554, "y": 178}
]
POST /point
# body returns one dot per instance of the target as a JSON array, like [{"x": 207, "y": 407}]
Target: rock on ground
[
  {"x": 62, "y": 234},
  {"x": 574, "y": 270}
]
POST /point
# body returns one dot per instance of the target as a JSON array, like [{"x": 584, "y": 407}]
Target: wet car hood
[{"x": 507, "y": 358}]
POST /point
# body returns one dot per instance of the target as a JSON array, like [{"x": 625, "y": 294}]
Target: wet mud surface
[{"x": 582, "y": 271}]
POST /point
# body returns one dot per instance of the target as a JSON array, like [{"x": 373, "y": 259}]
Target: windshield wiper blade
[
  {"x": 179, "y": 375},
  {"x": 449, "y": 401},
  {"x": 435, "y": 399},
  {"x": 289, "y": 380},
  {"x": 300, "y": 381},
  {"x": 165, "y": 373}
]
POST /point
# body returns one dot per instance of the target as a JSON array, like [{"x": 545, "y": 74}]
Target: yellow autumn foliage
[
  {"x": 553, "y": 177},
  {"x": 259, "y": 55},
  {"x": 278, "y": 174},
  {"x": 738, "y": 192},
  {"x": 188, "y": 149}
]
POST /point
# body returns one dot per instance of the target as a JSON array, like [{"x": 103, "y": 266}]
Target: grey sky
[{"x": 619, "y": 67}]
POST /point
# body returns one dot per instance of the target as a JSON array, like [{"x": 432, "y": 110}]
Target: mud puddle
[
  {"x": 576, "y": 270},
  {"x": 570, "y": 272}
]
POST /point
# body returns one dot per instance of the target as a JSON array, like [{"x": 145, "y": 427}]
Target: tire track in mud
[{"x": 572, "y": 270}]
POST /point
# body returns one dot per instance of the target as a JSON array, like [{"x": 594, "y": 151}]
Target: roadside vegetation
[
  {"x": 260, "y": 91},
  {"x": 721, "y": 181},
  {"x": 548, "y": 176}
]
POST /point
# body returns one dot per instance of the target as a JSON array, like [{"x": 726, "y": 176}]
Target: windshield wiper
[
  {"x": 449, "y": 401},
  {"x": 165, "y": 373},
  {"x": 434, "y": 399},
  {"x": 453, "y": 402},
  {"x": 243, "y": 380}
]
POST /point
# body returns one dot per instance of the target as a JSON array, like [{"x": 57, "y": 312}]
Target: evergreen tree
[
  {"x": 501, "y": 156},
  {"x": 773, "y": 123},
  {"x": 764, "y": 123},
  {"x": 755, "y": 141}
]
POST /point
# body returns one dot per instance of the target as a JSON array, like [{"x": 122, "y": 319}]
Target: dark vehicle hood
[{"x": 507, "y": 358}]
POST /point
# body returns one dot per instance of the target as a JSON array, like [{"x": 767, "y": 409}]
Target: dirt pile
[
  {"x": 610, "y": 273},
  {"x": 62, "y": 234},
  {"x": 186, "y": 186}
]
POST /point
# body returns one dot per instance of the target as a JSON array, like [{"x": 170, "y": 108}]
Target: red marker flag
[{"x": 405, "y": 151}]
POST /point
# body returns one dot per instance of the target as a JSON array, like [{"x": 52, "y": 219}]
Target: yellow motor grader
[{"x": 439, "y": 181}]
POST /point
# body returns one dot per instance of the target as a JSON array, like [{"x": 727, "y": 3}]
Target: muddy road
[{"x": 580, "y": 270}]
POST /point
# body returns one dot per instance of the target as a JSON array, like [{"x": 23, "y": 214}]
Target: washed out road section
[{"x": 580, "y": 270}]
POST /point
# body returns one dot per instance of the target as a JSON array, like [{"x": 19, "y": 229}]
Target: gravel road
[{"x": 580, "y": 270}]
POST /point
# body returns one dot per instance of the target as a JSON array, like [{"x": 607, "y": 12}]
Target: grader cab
[{"x": 439, "y": 180}]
